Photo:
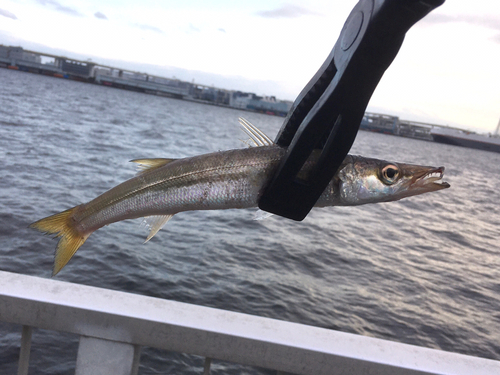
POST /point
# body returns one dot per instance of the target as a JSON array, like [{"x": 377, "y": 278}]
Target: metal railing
[{"x": 114, "y": 325}]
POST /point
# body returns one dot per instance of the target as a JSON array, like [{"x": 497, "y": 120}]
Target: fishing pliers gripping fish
[{"x": 327, "y": 113}]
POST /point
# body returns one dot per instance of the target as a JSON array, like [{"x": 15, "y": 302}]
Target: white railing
[{"x": 114, "y": 325}]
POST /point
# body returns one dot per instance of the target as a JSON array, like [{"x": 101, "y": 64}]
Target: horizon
[{"x": 445, "y": 73}]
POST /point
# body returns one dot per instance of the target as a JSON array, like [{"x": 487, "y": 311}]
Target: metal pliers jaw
[{"x": 327, "y": 113}]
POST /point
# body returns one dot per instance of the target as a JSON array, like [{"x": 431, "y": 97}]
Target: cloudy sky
[{"x": 447, "y": 71}]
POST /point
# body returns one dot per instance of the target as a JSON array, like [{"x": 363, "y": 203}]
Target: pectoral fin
[
  {"x": 262, "y": 215},
  {"x": 155, "y": 223}
]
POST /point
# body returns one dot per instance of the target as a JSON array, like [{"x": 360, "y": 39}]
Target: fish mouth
[{"x": 430, "y": 179}]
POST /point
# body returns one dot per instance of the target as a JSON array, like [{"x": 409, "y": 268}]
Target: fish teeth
[
  {"x": 435, "y": 175},
  {"x": 432, "y": 177}
]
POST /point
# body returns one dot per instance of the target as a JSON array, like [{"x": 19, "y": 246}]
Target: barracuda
[{"x": 224, "y": 180}]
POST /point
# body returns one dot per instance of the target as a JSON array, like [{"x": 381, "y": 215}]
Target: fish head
[{"x": 365, "y": 180}]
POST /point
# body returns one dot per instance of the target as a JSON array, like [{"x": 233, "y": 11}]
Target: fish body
[
  {"x": 226, "y": 180},
  {"x": 216, "y": 181}
]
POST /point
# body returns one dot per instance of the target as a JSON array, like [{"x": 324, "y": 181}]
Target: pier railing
[{"x": 113, "y": 326}]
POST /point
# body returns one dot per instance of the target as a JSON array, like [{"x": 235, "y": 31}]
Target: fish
[{"x": 232, "y": 179}]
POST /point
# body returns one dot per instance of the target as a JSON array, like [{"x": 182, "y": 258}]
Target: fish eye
[{"x": 390, "y": 174}]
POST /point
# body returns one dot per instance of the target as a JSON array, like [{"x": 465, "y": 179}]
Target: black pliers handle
[{"x": 327, "y": 113}]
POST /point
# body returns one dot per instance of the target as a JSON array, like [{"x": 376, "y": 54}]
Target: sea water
[{"x": 422, "y": 271}]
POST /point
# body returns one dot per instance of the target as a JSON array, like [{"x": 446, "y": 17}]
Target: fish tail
[{"x": 62, "y": 225}]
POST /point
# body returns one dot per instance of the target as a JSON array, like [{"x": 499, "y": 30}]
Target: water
[{"x": 423, "y": 271}]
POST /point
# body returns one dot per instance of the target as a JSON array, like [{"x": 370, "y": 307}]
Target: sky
[{"x": 447, "y": 71}]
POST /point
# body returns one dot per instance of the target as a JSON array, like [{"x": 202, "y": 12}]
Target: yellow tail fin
[{"x": 62, "y": 225}]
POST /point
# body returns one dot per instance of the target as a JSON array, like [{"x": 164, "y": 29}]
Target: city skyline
[{"x": 446, "y": 72}]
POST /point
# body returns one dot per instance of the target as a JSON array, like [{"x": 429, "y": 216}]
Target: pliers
[{"x": 327, "y": 113}]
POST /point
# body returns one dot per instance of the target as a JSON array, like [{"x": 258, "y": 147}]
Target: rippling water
[{"x": 424, "y": 271}]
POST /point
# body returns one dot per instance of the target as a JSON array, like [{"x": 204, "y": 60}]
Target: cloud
[
  {"x": 193, "y": 29},
  {"x": 100, "y": 15},
  {"x": 285, "y": 11},
  {"x": 7, "y": 14},
  {"x": 485, "y": 21},
  {"x": 221, "y": 30},
  {"x": 436, "y": 18},
  {"x": 149, "y": 28},
  {"x": 59, "y": 7}
]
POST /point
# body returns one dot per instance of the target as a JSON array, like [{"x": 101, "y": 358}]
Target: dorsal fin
[
  {"x": 257, "y": 137},
  {"x": 146, "y": 165}
]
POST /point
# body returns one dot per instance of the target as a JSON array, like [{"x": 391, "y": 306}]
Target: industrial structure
[
  {"x": 429, "y": 132},
  {"x": 394, "y": 125}
]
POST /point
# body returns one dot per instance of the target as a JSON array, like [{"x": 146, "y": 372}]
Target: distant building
[
  {"x": 77, "y": 68},
  {"x": 4, "y": 52},
  {"x": 267, "y": 104},
  {"x": 17, "y": 53}
]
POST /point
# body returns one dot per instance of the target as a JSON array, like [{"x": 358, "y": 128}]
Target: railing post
[
  {"x": 24, "y": 355},
  {"x": 136, "y": 360},
  {"x": 103, "y": 357},
  {"x": 206, "y": 367}
]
